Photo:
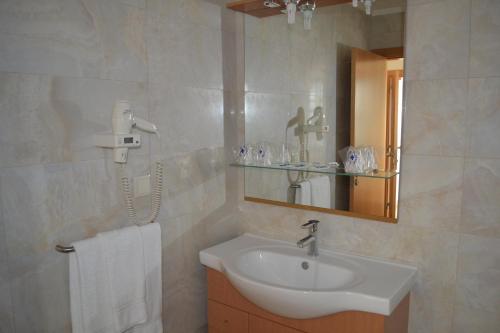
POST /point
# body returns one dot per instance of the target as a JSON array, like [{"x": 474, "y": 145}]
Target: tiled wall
[
  {"x": 450, "y": 218},
  {"x": 386, "y": 31},
  {"x": 63, "y": 63}
]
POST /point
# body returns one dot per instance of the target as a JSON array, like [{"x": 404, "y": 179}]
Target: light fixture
[
  {"x": 291, "y": 9},
  {"x": 368, "y": 5},
  {"x": 271, "y": 4},
  {"x": 307, "y": 10}
]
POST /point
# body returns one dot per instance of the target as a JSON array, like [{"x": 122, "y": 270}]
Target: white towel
[
  {"x": 320, "y": 191},
  {"x": 107, "y": 282},
  {"x": 91, "y": 307},
  {"x": 123, "y": 251},
  {"x": 151, "y": 236},
  {"x": 303, "y": 193}
]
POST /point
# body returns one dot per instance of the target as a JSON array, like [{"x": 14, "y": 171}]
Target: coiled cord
[{"x": 155, "y": 194}]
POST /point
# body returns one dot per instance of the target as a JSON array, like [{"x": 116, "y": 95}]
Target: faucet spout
[
  {"x": 306, "y": 241},
  {"x": 312, "y": 239}
]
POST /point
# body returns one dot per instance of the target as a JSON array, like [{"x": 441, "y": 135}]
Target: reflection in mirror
[{"x": 312, "y": 94}]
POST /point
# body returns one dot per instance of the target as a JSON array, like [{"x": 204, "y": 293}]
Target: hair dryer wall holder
[{"x": 119, "y": 142}]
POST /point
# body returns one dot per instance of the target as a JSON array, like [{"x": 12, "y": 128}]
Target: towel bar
[
  {"x": 69, "y": 249},
  {"x": 65, "y": 249}
]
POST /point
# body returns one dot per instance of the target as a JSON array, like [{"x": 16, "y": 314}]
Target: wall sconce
[
  {"x": 368, "y": 5},
  {"x": 291, "y": 9},
  {"x": 307, "y": 10},
  {"x": 271, "y": 4}
]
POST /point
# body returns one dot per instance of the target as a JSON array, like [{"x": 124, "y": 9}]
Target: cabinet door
[
  {"x": 259, "y": 325},
  {"x": 225, "y": 319}
]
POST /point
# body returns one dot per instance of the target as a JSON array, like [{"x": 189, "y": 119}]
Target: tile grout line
[{"x": 466, "y": 153}]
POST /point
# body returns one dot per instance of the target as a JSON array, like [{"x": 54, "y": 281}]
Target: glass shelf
[{"x": 324, "y": 169}]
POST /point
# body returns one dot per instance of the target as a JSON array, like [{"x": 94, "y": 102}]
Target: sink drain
[{"x": 305, "y": 265}]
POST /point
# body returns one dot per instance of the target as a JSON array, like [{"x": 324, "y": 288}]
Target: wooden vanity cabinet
[
  {"x": 261, "y": 325},
  {"x": 230, "y": 312},
  {"x": 225, "y": 319}
]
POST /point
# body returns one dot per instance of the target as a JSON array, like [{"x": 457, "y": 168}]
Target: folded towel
[
  {"x": 123, "y": 251},
  {"x": 151, "y": 237},
  {"x": 91, "y": 306},
  {"x": 320, "y": 191}
]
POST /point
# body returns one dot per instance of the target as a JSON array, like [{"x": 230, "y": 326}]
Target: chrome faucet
[{"x": 311, "y": 239}]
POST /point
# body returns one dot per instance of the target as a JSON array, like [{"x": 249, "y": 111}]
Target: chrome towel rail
[
  {"x": 65, "y": 249},
  {"x": 69, "y": 249}
]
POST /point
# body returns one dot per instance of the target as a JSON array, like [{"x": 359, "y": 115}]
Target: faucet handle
[{"x": 312, "y": 225}]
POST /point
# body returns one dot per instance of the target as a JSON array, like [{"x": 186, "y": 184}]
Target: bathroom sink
[
  {"x": 284, "y": 267},
  {"x": 283, "y": 279}
]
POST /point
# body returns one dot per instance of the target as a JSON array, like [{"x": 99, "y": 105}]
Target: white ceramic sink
[{"x": 284, "y": 280}]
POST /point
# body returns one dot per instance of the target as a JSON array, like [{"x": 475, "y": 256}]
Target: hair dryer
[{"x": 123, "y": 120}]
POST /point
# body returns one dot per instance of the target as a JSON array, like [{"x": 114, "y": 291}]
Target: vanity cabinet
[
  {"x": 225, "y": 319},
  {"x": 260, "y": 325},
  {"x": 230, "y": 312}
]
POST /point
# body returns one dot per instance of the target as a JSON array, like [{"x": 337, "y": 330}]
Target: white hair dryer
[
  {"x": 123, "y": 121},
  {"x": 122, "y": 139}
]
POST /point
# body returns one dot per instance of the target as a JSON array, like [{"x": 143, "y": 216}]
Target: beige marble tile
[
  {"x": 266, "y": 184},
  {"x": 201, "y": 200},
  {"x": 4, "y": 267},
  {"x": 266, "y": 117},
  {"x": 6, "y": 309},
  {"x": 434, "y": 121},
  {"x": 272, "y": 221},
  {"x": 478, "y": 273},
  {"x": 189, "y": 170},
  {"x": 434, "y": 252},
  {"x": 233, "y": 53},
  {"x": 41, "y": 299},
  {"x": 481, "y": 195},
  {"x": 79, "y": 54},
  {"x": 435, "y": 31},
  {"x": 188, "y": 119},
  {"x": 485, "y": 44},
  {"x": 313, "y": 71},
  {"x": 59, "y": 203},
  {"x": 431, "y": 191},
  {"x": 184, "y": 278},
  {"x": 89, "y": 38},
  {"x": 358, "y": 236},
  {"x": 267, "y": 29},
  {"x": 197, "y": 12},
  {"x": 267, "y": 59},
  {"x": 468, "y": 320},
  {"x": 387, "y": 31},
  {"x": 184, "y": 54},
  {"x": 483, "y": 118},
  {"x": 350, "y": 26},
  {"x": 431, "y": 307},
  {"x": 135, "y": 3},
  {"x": 21, "y": 143},
  {"x": 53, "y": 119},
  {"x": 122, "y": 33},
  {"x": 419, "y": 2}
]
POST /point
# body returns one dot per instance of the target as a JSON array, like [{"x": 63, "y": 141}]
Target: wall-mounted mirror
[{"x": 311, "y": 93}]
